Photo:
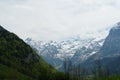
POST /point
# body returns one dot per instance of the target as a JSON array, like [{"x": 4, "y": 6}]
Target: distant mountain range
[
  {"x": 76, "y": 49},
  {"x": 105, "y": 47},
  {"x": 18, "y": 61}
]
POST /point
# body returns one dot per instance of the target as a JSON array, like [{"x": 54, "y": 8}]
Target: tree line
[{"x": 97, "y": 72}]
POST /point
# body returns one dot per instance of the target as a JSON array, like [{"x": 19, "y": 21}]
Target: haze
[{"x": 58, "y": 19}]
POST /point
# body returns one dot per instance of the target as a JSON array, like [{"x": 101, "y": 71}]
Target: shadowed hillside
[{"x": 19, "y": 62}]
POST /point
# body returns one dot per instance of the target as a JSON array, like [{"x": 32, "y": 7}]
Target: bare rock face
[{"x": 111, "y": 45}]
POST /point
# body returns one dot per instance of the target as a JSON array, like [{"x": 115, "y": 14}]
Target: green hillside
[{"x": 19, "y": 62}]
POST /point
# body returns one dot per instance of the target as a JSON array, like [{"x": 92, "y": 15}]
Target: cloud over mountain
[{"x": 57, "y": 19}]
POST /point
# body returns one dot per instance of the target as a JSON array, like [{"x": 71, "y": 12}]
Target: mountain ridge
[
  {"x": 1, "y": 28},
  {"x": 22, "y": 61},
  {"x": 53, "y": 51},
  {"x": 79, "y": 51}
]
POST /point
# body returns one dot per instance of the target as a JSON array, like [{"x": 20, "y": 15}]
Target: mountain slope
[
  {"x": 111, "y": 45},
  {"x": 75, "y": 49},
  {"x": 109, "y": 53},
  {"x": 18, "y": 57},
  {"x": 83, "y": 51}
]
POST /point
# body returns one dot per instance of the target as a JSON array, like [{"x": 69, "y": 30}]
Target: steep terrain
[
  {"x": 19, "y": 62},
  {"x": 83, "y": 51},
  {"x": 109, "y": 53},
  {"x": 76, "y": 49},
  {"x": 111, "y": 46}
]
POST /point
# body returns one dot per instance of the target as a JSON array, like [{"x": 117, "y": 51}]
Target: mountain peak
[
  {"x": 112, "y": 42},
  {"x": 117, "y": 26},
  {"x": 28, "y": 39},
  {"x": 115, "y": 31}
]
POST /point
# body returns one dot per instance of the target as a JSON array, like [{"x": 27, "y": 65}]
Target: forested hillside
[{"x": 19, "y": 62}]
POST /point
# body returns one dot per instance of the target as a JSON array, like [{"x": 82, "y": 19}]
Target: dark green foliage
[
  {"x": 21, "y": 61},
  {"x": 111, "y": 78},
  {"x": 9, "y": 73}
]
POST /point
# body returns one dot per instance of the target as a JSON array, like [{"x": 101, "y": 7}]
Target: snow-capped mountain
[
  {"x": 109, "y": 53},
  {"x": 76, "y": 49},
  {"x": 111, "y": 45}
]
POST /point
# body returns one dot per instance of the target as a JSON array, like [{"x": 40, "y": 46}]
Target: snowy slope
[{"x": 76, "y": 48}]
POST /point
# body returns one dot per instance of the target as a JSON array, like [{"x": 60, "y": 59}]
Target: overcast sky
[{"x": 57, "y": 19}]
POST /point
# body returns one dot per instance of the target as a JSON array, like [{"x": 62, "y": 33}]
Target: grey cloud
[{"x": 57, "y": 18}]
